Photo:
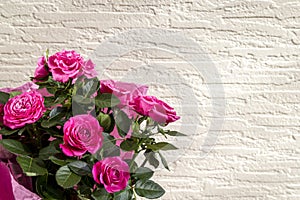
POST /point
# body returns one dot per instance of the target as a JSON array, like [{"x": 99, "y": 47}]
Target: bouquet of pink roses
[{"x": 67, "y": 135}]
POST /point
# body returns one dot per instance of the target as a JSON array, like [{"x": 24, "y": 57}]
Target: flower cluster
[{"x": 76, "y": 137}]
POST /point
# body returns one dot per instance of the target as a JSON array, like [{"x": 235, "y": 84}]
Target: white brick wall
[{"x": 253, "y": 44}]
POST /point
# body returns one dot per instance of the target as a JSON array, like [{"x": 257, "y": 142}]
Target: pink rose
[
  {"x": 26, "y": 108},
  {"x": 40, "y": 71},
  {"x": 88, "y": 69},
  {"x": 82, "y": 133},
  {"x": 113, "y": 173},
  {"x": 65, "y": 65},
  {"x": 158, "y": 110},
  {"x": 126, "y": 92}
]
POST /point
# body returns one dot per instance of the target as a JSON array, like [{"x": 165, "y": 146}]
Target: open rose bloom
[
  {"x": 82, "y": 133},
  {"x": 68, "y": 135}
]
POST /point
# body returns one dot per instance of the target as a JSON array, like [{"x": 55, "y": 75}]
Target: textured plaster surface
[{"x": 254, "y": 46}]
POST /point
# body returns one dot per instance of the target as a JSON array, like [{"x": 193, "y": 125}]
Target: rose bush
[
  {"x": 70, "y": 135},
  {"x": 82, "y": 133},
  {"x": 23, "y": 109},
  {"x": 113, "y": 173}
]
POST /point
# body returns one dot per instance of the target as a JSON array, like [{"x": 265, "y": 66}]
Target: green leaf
[
  {"x": 172, "y": 133},
  {"x": 79, "y": 108},
  {"x": 106, "y": 100},
  {"x": 82, "y": 100},
  {"x": 164, "y": 161},
  {"x": 136, "y": 129},
  {"x": 85, "y": 186},
  {"x": 129, "y": 145},
  {"x": 79, "y": 167},
  {"x": 57, "y": 142},
  {"x": 5, "y": 131},
  {"x": 123, "y": 195},
  {"x": 48, "y": 151},
  {"x": 151, "y": 158},
  {"x": 3, "y": 97},
  {"x": 55, "y": 117},
  {"x": 164, "y": 146},
  {"x": 54, "y": 131},
  {"x": 14, "y": 147},
  {"x": 106, "y": 121},
  {"x": 109, "y": 148},
  {"x": 50, "y": 123},
  {"x": 101, "y": 194},
  {"x": 13, "y": 94},
  {"x": 52, "y": 90},
  {"x": 57, "y": 111},
  {"x": 149, "y": 189},
  {"x": 49, "y": 101},
  {"x": 133, "y": 165},
  {"x": 84, "y": 191},
  {"x": 88, "y": 181},
  {"x": 30, "y": 166},
  {"x": 108, "y": 138},
  {"x": 41, "y": 184},
  {"x": 47, "y": 190},
  {"x": 60, "y": 162},
  {"x": 143, "y": 173},
  {"x": 61, "y": 98},
  {"x": 65, "y": 178},
  {"x": 123, "y": 122},
  {"x": 90, "y": 87}
]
